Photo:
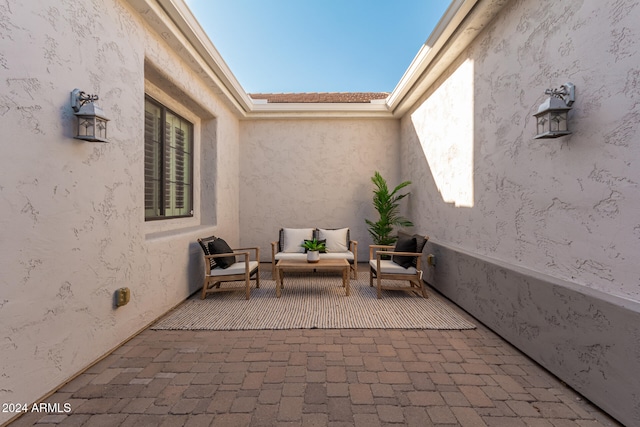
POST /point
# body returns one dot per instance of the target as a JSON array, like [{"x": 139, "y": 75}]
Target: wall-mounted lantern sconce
[
  {"x": 92, "y": 123},
  {"x": 551, "y": 118}
]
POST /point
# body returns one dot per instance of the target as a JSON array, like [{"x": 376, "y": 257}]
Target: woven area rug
[{"x": 310, "y": 301}]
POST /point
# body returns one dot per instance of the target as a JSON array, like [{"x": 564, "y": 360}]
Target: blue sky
[{"x": 282, "y": 46}]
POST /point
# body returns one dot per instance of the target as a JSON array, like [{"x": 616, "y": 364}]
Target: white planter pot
[{"x": 313, "y": 256}]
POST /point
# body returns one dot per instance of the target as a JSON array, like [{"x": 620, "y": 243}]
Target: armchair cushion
[
  {"x": 404, "y": 244},
  {"x": 293, "y": 238},
  {"x": 235, "y": 268},
  {"x": 220, "y": 246},
  {"x": 349, "y": 256},
  {"x": 204, "y": 244},
  {"x": 337, "y": 240},
  {"x": 389, "y": 267},
  {"x": 421, "y": 241}
]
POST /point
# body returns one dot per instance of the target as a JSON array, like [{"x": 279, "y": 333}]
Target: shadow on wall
[{"x": 195, "y": 273}]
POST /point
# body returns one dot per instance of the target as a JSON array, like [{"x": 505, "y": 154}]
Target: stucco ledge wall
[{"x": 589, "y": 339}]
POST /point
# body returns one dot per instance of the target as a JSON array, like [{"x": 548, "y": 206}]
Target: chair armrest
[
  {"x": 372, "y": 247},
  {"x": 244, "y": 254},
  {"x": 381, "y": 253},
  {"x": 353, "y": 246},
  {"x": 256, "y": 251},
  {"x": 234, "y": 253},
  {"x": 274, "y": 251},
  {"x": 222, "y": 255}
]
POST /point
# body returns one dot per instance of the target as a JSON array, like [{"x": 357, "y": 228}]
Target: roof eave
[
  {"x": 458, "y": 27},
  {"x": 319, "y": 110},
  {"x": 461, "y": 23},
  {"x": 174, "y": 22},
  {"x": 194, "y": 32}
]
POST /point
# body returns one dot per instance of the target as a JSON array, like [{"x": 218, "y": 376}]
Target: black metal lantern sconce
[
  {"x": 552, "y": 116},
  {"x": 92, "y": 123}
]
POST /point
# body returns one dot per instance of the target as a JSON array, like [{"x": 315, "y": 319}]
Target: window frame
[{"x": 189, "y": 181}]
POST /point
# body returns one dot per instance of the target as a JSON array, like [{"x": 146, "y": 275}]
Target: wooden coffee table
[{"x": 302, "y": 265}]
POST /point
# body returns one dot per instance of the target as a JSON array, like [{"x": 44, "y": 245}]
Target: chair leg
[
  {"x": 423, "y": 287},
  {"x": 205, "y": 287},
  {"x": 414, "y": 286},
  {"x": 419, "y": 287},
  {"x": 370, "y": 277},
  {"x": 379, "y": 286},
  {"x": 247, "y": 286},
  {"x": 258, "y": 277}
]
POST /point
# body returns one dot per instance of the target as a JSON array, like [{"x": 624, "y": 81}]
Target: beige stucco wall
[
  {"x": 313, "y": 173},
  {"x": 72, "y": 217},
  {"x": 72, "y": 222},
  {"x": 538, "y": 239},
  {"x": 564, "y": 207}
]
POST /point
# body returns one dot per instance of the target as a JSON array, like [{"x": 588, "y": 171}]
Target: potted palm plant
[
  {"x": 314, "y": 247},
  {"x": 386, "y": 203}
]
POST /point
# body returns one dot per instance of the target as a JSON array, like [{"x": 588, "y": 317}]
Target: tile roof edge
[{"x": 320, "y": 97}]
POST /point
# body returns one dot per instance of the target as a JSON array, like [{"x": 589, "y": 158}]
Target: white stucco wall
[
  {"x": 72, "y": 227},
  {"x": 313, "y": 173},
  {"x": 565, "y": 207}
]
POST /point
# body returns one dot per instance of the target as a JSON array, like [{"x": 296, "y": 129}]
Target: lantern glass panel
[
  {"x": 86, "y": 127},
  {"x": 101, "y": 128},
  {"x": 558, "y": 121},
  {"x": 542, "y": 124}
]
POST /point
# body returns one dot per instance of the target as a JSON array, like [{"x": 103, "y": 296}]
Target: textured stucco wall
[
  {"x": 72, "y": 226},
  {"x": 539, "y": 238},
  {"x": 587, "y": 338},
  {"x": 567, "y": 207},
  {"x": 313, "y": 173}
]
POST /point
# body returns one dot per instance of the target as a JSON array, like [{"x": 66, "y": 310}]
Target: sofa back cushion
[
  {"x": 337, "y": 239},
  {"x": 291, "y": 239}
]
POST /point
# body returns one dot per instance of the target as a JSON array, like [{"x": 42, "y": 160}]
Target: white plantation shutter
[{"x": 168, "y": 163}]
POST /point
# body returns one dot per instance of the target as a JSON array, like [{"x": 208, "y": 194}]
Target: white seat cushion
[
  {"x": 294, "y": 238},
  {"x": 337, "y": 255},
  {"x": 389, "y": 267},
  {"x": 236, "y": 268},
  {"x": 336, "y": 239},
  {"x": 333, "y": 255},
  {"x": 289, "y": 255}
]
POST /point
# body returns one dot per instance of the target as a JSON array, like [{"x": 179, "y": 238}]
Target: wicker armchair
[{"x": 223, "y": 267}]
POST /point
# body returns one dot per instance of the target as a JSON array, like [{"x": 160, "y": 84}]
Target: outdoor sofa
[{"x": 338, "y": 243}]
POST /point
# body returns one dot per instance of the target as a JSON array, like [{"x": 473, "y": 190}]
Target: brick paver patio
[{"x": 318, "y": 377}]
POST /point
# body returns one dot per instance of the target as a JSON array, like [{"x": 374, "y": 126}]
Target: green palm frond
[{"x": 386, "y": 203}]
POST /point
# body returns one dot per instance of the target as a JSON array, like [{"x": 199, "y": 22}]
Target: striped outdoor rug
[{"x": 310, "y": 301}]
